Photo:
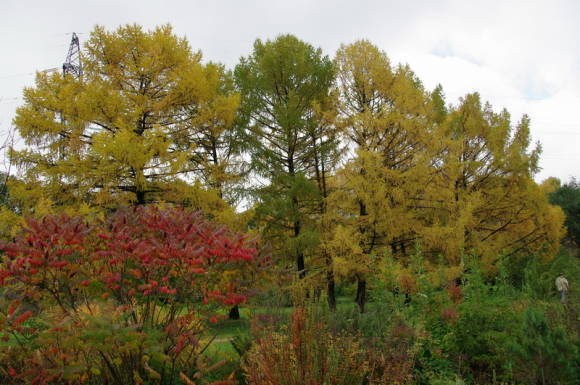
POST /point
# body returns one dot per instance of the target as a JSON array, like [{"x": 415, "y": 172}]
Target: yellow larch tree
[
  {"x": 384, "y": 114},
  {"x": 483, "y": 200},
  {"x": 129, "y": 131}
]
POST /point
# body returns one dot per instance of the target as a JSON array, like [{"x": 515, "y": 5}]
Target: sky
[{"x": 520, "y": 55}]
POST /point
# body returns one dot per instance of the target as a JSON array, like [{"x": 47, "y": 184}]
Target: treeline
[{"x": 339, "y": 163}]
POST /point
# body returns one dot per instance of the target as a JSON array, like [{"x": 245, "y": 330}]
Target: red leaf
[
  {"x": 23, "y": 317},
  {"x": 58, "y": 264},
  {"x": 36, "y": 261},
  {"x": 64, "y": 252},
  {"x": 12, "y": 308},
  {"x": 180, "y": 344}
]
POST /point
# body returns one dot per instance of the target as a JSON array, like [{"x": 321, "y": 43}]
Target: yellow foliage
[
  {"x": 456, "y": 182},
  {"x": 9, "y": 223},
  {"x": 482, "y": 199},
  {"x": 129, "y": 129},
  {"x": 384, "y": 113}
]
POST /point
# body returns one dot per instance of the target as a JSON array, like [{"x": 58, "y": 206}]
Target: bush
[
  {"x": 121, "y": 300},
  {"x": 482, "y": 329},
  {"x": 311, "y": 352},
  {"x": 305, "y": 354},
  {"x": 393, "y": 361},
  {"x": 542, "y": 353}
]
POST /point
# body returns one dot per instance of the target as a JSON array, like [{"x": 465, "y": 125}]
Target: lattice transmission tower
[{"x": 73, "y": 64}]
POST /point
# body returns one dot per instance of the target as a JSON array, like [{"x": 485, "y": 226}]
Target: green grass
[
  {"x": 221, "y": 349},
  {"x": 227, "y": 328}
]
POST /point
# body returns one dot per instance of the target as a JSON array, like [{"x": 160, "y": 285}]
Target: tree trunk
[
  {"x": 139, "y": 186},
  {"x": 140, "y": 195},
  {"x": 234, "y": 313},
  {"x": 299, "y": 254},
  {"x": 361, "y": 294},
  {"x": 300, "y": 265},
  {"x": 361, "y": 282},
  {"x": 331, "y": 295},
  {"x": 330, "y": 289}
]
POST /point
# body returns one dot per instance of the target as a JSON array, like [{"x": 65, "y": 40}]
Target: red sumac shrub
[{"x": 119, "y": 300}]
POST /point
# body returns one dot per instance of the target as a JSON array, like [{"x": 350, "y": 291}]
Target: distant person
[{"x": 562, "y": 285}]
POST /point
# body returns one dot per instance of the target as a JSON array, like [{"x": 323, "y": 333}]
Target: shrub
[
  {"x": 542, "y": 353},
  {"x": 312, "y": 350},
  {"x": 305, "y": 354},
  {"x": 481, "y": 329},
  {"x": 122, "y": 300},
  {"x": 393, "y": 361}
]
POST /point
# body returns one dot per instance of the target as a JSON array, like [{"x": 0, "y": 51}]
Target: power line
[
  {"x": 18, "y": 75},
  {"x": 555, "y": 157},
  {"x": 30, "y": 73},
  {"x": 9, "y": 100},
  {"x": 559, "y": 133}
]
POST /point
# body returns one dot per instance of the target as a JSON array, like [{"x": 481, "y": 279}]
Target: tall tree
[
  {"x": 119, "y": 134},
  {"x": 283, "y": 84},
  {"x": 484, "y": 199},
  {"x": 385, "y": 116}
]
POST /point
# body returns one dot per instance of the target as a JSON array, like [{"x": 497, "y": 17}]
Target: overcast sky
[{"x": 521, "y": 55}]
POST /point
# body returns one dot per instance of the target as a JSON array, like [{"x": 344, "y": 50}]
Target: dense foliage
[
  {"x": 116, "y": 300},
  {"x": 123, "y": 246}
]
